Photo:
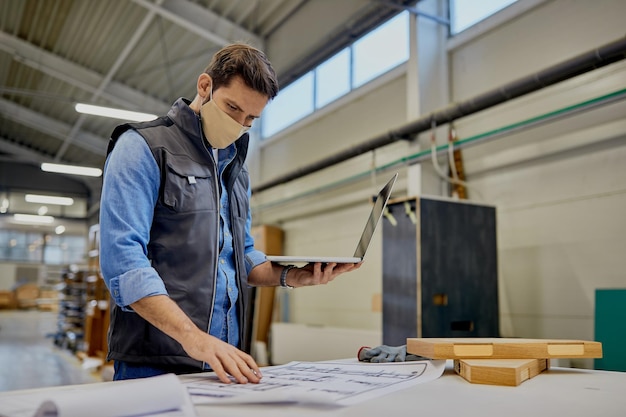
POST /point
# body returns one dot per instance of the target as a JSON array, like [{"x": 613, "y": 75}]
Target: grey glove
[{"x": 386, "y": 353}]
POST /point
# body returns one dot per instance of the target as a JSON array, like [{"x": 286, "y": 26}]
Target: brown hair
[{"x": 247, "y": 62}]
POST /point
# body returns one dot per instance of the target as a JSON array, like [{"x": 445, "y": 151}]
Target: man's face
[{"x": 240, "y": 102}]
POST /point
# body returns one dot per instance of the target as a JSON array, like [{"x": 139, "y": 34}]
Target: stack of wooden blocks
[{"x": 501, "y": 361}]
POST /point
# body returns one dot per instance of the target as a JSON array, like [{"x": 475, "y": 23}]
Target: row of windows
[
  {"x": 17, "y": 246},
  {"x": 377, "y": 52},
  {"x": 367, "y": 58}
]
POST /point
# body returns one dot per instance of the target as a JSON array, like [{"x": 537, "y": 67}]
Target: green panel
[{"x": 611, "y": 328}]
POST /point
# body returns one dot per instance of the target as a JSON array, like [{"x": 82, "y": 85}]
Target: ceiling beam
[
  {"x": 78, "y": 76},
  {"x": 22, "y": 153},
  {"x": 198, "y": 19},
  {"x": 129, "y": 46},
  {"x": 52, "y": 127}
]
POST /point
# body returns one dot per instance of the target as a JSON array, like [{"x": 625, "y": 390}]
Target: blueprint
[{"x": 337, "y": 382}]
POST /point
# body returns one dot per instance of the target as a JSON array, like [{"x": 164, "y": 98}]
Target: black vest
[{"x": 184, "y": 237}]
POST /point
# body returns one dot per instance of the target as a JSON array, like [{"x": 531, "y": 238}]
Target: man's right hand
[
  {"x": 163, "y": 313},
  {"x": 223, "y": 358}
]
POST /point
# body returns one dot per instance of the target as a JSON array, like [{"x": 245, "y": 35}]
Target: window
[
  {"x": 292, "y": 104},
  {"x": 466, "y": 13},
  {"x": 333, "y": 78},
  {"x": 381, "y": 50},
  {"x": 64, "y": 249},
  {"x": 18, "y": 246},
  {"x": 377, "y": 52}
]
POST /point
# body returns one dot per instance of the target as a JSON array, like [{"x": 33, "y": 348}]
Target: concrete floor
[{"x": 29, "y": 357}]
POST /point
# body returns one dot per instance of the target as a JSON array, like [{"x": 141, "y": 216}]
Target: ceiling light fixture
[
  {"x": 71, "y": 169},
  {"x": 32, "y": 219},
  {"x": 49, "y": 199},
  {"x": 114, "y": 113}
]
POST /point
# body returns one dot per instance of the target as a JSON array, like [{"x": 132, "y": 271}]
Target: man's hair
[{"x": 247, "y": 62}]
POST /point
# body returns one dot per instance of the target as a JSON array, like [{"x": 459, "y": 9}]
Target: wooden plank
[
  {"x": 509, "y": 372},
  {"x": 502, "y": 348}
]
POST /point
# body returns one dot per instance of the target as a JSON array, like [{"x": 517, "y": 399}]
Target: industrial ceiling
[{"x": 138, "y": 55}]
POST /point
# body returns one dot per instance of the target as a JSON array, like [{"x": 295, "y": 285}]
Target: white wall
[
  {"x": 560, "y": 188},
  {"x": 7, "y": 276}
]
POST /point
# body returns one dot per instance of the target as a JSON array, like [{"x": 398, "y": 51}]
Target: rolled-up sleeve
[{"x": 129, "y": 193}]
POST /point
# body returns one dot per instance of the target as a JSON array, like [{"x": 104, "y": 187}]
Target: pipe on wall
[{"x": 597, "y": 58}]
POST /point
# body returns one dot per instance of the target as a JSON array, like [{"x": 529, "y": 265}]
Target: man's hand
[
  {"x": 268, "y": 274},
  {"x": 318, "y": 273},
  {"x": 163, "y": 313},
  {"x": 223, "y": 358}
]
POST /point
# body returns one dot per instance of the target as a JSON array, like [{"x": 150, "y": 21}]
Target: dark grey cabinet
[{"x": 440, "y": 270}]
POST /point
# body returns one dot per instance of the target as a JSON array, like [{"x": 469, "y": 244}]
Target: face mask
[{"x": 219, "y": 128}]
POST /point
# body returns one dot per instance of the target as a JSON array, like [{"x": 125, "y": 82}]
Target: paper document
[
  {"x": 161, "y": 396},
  {"x": 338, "y": 383}
]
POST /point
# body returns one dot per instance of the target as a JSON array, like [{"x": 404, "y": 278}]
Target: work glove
[{"x": 386, "y": 353}]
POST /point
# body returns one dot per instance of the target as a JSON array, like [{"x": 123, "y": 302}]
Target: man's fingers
[
  {"x": 240, "y": 366},
  {"x": 323, "y": 273},
  {"x": 253, "y": 367},
  {"x": 251, "y": 375},
  {"x": 246, "y": 370},
  {"x": 219, "y": 371}
]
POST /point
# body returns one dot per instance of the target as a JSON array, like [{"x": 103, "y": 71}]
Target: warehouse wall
[{"x": 559, "y": 188}]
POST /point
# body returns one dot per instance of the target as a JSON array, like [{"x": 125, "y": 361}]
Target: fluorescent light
[
  {"x": 60, "y": 229},
  {"x": 71, "y": 169},
  {"x": 49, "y": 199},
  {"x": 32, "y": 219},
  {"x": 114, "y": 113}
]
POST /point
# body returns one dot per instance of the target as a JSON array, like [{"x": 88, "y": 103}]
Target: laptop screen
[{"x": 375, "y": 215}]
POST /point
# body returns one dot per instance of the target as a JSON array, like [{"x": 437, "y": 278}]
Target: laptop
[{"x": 377, "y": 212}]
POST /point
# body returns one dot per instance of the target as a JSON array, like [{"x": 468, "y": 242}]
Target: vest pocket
[{"x": 188, "y": 186}]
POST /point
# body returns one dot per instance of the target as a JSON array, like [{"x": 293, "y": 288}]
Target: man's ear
[{"x": 203, "y": 86}]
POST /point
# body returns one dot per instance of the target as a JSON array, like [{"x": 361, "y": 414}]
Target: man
[{"x": 176, "y": 250}]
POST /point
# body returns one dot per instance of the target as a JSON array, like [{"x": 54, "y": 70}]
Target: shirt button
[{"x": 222, "y": 261}]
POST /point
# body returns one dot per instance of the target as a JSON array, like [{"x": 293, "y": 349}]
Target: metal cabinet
[{"x": 440, "y": 270}]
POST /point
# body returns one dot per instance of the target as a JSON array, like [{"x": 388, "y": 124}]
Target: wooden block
[
  {"x": 510, "y": 372},
  {"x": 265, "y": 304},
  {"x": 377, "y": 303},
  {"x": 502, "y": 348},
  {"x": 268, "y": 239},
  {"x": 7, "y": 299},
  {"x": 26, "y": 295}
]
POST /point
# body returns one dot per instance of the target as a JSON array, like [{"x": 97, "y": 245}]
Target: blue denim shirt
[{"x": 130, "y": 276}]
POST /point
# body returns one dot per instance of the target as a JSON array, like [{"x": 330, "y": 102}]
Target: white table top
[{"x": 557, "y": 392}]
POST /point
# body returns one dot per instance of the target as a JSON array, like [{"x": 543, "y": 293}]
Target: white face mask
[{"x": 219, "y": 128}]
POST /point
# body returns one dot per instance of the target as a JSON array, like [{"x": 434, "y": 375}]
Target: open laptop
[{"x": 377, "y": 211}]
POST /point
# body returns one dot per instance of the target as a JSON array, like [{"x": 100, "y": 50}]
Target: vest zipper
[{"x": 218, "y": 189}]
